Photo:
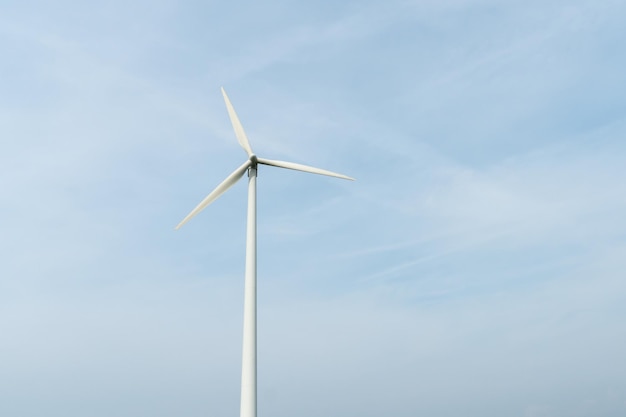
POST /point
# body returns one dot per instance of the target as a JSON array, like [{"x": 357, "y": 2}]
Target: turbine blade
[
  {"x": 217, "y": 192},
  {"x": 300, "y": 167},
  {"x": 239, "y": 132}
]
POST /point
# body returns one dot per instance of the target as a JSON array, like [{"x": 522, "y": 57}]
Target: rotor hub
[{"x": 254, "y": 160}]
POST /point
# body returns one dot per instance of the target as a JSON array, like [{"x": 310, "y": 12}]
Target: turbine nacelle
[{"x": 252, "y": 162}]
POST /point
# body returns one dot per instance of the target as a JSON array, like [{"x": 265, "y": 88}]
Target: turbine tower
[{"x": 248, "y": 363}]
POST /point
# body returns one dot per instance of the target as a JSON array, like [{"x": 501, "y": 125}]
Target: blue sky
[{"x": 475, "y": 268}]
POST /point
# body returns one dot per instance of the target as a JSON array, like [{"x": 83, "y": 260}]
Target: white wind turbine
[{"x": 248, "y": 370}]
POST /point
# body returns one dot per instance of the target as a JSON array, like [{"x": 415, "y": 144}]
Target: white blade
[
  {"x": 215, "y": 194},
  {"x": 239, "y": 132},
  {"x": 305, "y": 168}
]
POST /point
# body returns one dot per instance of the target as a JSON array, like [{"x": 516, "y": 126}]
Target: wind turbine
[{"x": 248, "y": 367}]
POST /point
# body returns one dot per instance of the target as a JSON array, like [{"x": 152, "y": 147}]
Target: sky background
[{"x": 475, "y": 268}]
